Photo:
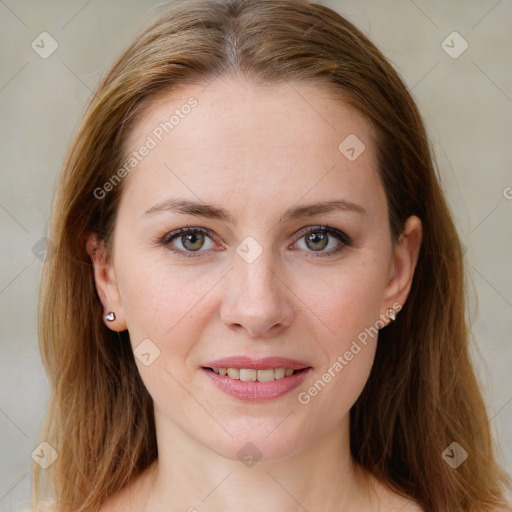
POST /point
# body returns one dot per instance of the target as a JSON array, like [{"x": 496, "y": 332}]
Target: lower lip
[{"x": 256, "y": 391}]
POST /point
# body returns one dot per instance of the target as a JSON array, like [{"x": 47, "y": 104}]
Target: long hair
[{"x": 422, "y": 393}]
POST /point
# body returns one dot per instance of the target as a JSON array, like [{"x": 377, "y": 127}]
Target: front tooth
[
  {"x": 266, "y": 375},
  {"x": 223, "y": 371},
  {"x": 279, "y": 373},
  {"x": 288, "y": 372},
  {"x": 234, "y": 373},
  {"x": 248, "y": 375}
]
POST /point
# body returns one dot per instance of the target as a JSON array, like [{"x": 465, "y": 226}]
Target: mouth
[
  {"x": 256, "y": 380},
  {"x": 253, "y": 375}
]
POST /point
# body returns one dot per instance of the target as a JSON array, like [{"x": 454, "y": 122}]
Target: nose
[{"x": 257, "y": 299}]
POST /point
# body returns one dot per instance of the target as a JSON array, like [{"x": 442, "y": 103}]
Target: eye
[
  {"x": 189, "y": 240},
  {"x": 318, "y": 238}
]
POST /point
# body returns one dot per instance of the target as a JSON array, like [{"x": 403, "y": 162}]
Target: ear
[
  {"x": 405, "y": 257},
  {"x": 106, "y": 284}
]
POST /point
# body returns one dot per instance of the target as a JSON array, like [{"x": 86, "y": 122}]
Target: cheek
[
  {"x": 349, "y": 300},
  {"x": 351, "y": 309},
  {"x": 332, "y": 394},
  {"x": 348, "y": 305},
  {"x": 161, "y": 302},
  {"x": 166, "y": 306}
]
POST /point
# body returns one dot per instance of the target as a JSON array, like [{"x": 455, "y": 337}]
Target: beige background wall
[{"x": 466, "y": 102}]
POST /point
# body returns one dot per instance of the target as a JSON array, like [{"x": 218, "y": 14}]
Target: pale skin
[{"x": 255, "y": 152}]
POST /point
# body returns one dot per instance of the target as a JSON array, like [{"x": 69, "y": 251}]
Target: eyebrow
[{"x": 197, "y": 209}]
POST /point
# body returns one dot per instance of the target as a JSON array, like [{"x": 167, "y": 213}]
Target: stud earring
[
  {"x": 392, "y": 314},
  {"x": 110, "y": 317}
]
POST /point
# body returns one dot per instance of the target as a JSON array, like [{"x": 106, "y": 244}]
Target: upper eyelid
[
  {"x": 340, "y": 235},
  {"x": 189, "y": 229}
]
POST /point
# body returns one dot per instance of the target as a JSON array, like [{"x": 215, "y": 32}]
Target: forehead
[
  {"x": 233, "y": 110},
  {"x": 284, "y": 137}
]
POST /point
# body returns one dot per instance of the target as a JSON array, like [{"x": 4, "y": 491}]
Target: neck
[{"x": 191, "y": 477}]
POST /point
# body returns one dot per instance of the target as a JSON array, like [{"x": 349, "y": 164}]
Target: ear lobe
[
  {"x": 106, "y": 284},
  {"x": 405, "y": 258}
]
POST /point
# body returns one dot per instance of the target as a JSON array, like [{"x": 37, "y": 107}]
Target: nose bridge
[
  {"x": 259, "y": 300},
  {"x": 258, "y": 278},
  {"x": 256, "y": 275},
  {"x": 256, "y": 261}
]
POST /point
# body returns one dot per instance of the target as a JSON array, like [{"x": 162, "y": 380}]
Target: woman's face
[{"x": 262, "y": 283}]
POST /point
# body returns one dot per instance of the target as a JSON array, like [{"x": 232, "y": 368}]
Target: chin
[{"x": 260, "y": 441}]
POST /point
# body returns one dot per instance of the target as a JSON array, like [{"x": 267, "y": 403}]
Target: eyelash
[{"x": 345, "y": 240}]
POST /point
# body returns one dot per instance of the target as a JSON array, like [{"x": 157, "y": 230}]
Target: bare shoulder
[
  {"x": 130, "y": 497},
  {"x": 116, "y": 503},
  {"x": 390, "y": 501},
  {"x": 398, "y": 503},
  {"x": 409, "y": 505}
]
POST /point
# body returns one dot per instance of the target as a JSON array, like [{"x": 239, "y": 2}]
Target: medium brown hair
[{"x": 422, "y": 393}]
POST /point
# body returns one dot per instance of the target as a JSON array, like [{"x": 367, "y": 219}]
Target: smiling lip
[
  {"x": 256, "y": 391},
  {"x": 256, "y": 364}
]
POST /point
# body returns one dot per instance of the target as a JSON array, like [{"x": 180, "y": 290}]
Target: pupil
[
  {"x": 316, "y": 238},
  {"x": 195, "y": 239}
]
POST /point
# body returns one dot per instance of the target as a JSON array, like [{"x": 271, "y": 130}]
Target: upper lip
[{"x": 257, "y": 364}]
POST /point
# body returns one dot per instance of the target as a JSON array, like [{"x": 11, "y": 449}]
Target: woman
[{"x": 256, "y": 298}]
